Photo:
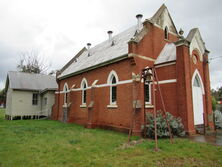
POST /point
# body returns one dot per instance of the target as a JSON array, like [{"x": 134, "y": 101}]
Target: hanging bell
[{"x": 149, "y": 76}]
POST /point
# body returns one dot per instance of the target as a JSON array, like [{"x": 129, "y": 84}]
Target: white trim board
[
  {"x": 167, "y": 81},
  {"x": 166, "y": 64},
  {"x": 97, "y": 86},
  {"x": 119, "y": 83}
]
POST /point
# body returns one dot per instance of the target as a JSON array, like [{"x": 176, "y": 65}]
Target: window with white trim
[
  {"x": 112, "y": 81},
  {"x": 147, "y": 93},
  {"x": 65, "y": 90},
  {"x": 84, "y": 92},
  {"x": 113, "y": 90}
]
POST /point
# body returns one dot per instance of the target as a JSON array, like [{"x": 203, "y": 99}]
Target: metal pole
[
  {"x": 154, "y": 112},
  {"x": 163, "y": 104},
  {"x": 204, "y": 123},
  {"x": 144, "y": 107}
]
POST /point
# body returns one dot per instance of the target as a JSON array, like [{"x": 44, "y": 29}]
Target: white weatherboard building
[{"x": 29, "y": 95}]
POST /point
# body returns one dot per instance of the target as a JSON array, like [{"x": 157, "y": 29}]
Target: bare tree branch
[{"x": 31, "y": 62}]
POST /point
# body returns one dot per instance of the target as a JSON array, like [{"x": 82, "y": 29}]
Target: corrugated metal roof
[
  {"x": 31, "y": 81},
  {"x": 167, "y": 54},
  {"x": 102, "y": 52}
]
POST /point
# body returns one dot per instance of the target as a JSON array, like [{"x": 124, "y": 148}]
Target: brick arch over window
[
  {"x": 84, "y": 86},
  {"x": 113, "y": 81},
  {"x": 197, "y": 53},
  {"x": 66, "y": 91}
]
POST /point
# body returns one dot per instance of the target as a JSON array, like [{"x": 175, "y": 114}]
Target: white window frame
[
  {"x": 150, "y": 97},
  {"x": 65, "y": 90},
  {"x": 84, "y": 81},
  {"x": 111, "y": 90},
  {"x": 109, "y": 82}
]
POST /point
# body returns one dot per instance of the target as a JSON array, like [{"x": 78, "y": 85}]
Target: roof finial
[{"x": 181, "y": 33}]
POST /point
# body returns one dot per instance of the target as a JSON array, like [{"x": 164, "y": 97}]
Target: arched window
[
  {"x": 84, "y": 87},
  {"x": 113, "y": 81},
  {"x": 166, "y": 35},
  {"x": 65, "y": 90},
  {"x": 113, "y": 90},
  {"x": 197, "y": 81}
]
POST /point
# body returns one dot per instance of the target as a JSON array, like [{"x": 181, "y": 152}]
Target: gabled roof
[
  {"x": 30, "y": 81},
  {"x": 162, "y": 18},
  {"x": 196, "y": 42},
  {"x": 167, "y": 54},
  {"x": 102, "y": 52},
  {"x": 105, "y": 53}
]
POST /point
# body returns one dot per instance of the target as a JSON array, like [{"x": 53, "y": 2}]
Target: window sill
[
  {"x": 83, "y": 106},
  {"x": 149, "y": 106},
  {"x": 66, "y": 105},
  {"x": 112, "y": 106},
  {"x": 167, "y": 40}
]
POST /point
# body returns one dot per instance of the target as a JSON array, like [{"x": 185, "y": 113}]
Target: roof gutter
[{"x": 95, "y": 66}]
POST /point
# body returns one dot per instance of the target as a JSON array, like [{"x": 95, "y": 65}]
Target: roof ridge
[
  {"x": 159, "y": 12},
  {"x": 30, "y": 73}
]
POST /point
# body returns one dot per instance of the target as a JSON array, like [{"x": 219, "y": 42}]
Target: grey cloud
[
  {"x": 18, "y": 34},
  {"x": 7, "y": 62}
]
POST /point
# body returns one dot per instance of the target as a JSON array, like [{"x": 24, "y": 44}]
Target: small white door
[{"x": 197, "y": 101}]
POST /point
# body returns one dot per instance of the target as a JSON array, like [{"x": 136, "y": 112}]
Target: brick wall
[{"x": 177, "y": 95}]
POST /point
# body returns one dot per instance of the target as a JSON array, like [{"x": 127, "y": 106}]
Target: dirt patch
[{"x": 131, "y": 144}]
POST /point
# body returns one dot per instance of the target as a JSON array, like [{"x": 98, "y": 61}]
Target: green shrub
[
  {"x": 214, "y": 103},
  {"x": 218, "y": 119},
  {"x": 176, "y": 125}
]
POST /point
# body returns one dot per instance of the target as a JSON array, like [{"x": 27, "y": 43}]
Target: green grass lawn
[{"x": 51, "y": 143}]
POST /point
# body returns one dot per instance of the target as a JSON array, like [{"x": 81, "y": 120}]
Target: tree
[
  {"x": 30, "y": 62},
  {"x": 214, "y": 103},
  {"x": 217, "y": 93},
  {"x": 2, "y": 92}
]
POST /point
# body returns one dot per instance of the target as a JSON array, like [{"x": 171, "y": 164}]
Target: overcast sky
[{"x": 58, "y": 29}]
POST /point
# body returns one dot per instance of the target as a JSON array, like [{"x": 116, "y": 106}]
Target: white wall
[
  {"x": 47, "y": 109},
  {"x": 19, "y": 103},
  {"x": 22, "y": 103},
  {"x": 8, "y": 102}
]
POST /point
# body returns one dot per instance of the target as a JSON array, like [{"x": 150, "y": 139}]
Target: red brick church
[{"x": 102, "y": 85}]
